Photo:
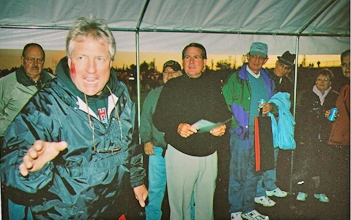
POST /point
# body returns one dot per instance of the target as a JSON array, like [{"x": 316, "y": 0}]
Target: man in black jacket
[{"x": 191, "y": 156}]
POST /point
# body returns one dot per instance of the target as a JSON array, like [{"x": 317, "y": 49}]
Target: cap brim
[
  {"x": 286, "y": 62},
  {"x": 174, "y": 68},
  {"x": 258, "y": 53}
]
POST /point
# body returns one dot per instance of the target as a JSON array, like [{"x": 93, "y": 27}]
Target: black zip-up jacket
[{"x": 188, "y": 100}]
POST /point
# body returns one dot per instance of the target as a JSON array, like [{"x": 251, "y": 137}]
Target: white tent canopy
[{"x": 222, "y": 26}]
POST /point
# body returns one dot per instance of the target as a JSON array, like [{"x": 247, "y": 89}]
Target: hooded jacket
[{"x": 79, "y": 183}]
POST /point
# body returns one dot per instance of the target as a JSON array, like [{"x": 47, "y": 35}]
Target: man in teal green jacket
[{"x": 72, "y": 152}]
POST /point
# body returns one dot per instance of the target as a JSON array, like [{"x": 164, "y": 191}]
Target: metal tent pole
[{"x": 294, "y": 109}]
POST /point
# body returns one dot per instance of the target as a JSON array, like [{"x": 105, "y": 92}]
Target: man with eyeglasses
[
  {"x": 155, "y": 145},
  {"x": 15, "y": 91},
  {"x": 242, "y": 92},
  {"x": 191, "y": 156},
  {"x": 73, "y": 152},
  {"x": 339, "y": 139},
  {"x": 18, "y": 87},
  {"x": 340, "y": 134}
]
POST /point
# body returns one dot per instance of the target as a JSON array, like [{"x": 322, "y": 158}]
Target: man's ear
[
  {"x": 69, "y": 62},
  {"x": 22, "y": 60}
]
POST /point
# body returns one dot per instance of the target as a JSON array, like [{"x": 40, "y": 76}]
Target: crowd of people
[{"x": 71, "y": 147}]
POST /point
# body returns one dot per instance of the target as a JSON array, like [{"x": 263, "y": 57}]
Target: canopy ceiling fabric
[{"x": 222, "y": 26}]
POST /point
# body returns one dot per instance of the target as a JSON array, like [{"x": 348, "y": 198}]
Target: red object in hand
[{"x": 122, "y": 217}]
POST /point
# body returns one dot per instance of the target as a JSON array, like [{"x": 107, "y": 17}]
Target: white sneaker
[
  {"x": 236, "y": 216},
  {"x": 254, "y": 215},
  {"x": 265, "y": 201},
  {"x": 277, "y": 193}
]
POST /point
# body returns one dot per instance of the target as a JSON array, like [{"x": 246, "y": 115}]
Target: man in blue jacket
[{"x": 72, "y": 152}]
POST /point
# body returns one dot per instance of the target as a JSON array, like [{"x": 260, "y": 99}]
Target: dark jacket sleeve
[
  {"x": 22, "y": 133},
  {"x": 137, "y": 172},
  {"x": 165, "y": 119}
]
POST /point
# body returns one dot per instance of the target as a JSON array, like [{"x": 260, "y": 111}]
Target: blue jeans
[
  {"x": 157, "y": 184},
  {"x": 242, "y": 175},
  {"x": 269, "y": 177}
]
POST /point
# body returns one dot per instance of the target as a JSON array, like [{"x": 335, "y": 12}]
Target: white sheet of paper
[{"x": 206, "y": 126}]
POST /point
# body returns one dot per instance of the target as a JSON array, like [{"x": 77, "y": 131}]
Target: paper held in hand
[{"x": 206, "y": 126}]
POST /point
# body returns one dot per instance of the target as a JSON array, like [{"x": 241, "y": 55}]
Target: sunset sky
[{"x": 11, "y": 58}]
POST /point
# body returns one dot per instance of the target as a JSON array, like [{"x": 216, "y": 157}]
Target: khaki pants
[{"x": 186, "y": 175}]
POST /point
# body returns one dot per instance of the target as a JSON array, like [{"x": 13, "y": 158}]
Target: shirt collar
[
  {"x": 252, "y": 73},
  {"x": 25, "y": 80}
]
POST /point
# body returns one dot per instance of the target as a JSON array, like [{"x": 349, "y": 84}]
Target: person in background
[
  {"x": 242, "y": 92},
  {"x": 155, "y": 145},
  {"x": 72, "y": 152},
  {"x": 284, "y": 67},
  {"x": 340, "y": 133},
  {"x": 15, "y": 90},
  {"x": 313, "y": 130},
  {"x": 18, "y": 87},
  {"x": 267, "y": 184},
  {"x": 339, "y": 139},
  {"x": 191, "y": 156}
]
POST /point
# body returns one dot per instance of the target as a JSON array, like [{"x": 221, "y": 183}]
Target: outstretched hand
[{"x": 39, "y": 154}]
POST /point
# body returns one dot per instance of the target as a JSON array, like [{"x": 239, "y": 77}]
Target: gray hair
[{"x": 90, "y": 27}]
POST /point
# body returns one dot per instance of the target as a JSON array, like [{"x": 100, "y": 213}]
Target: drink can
[
  {"x": 333, "y": 113},
  {"x": 260, "y": 102}
]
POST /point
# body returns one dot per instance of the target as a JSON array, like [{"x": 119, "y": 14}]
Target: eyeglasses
[
  {"x": 196, "y": 58},
  {"x": 345, "y": 65},
  {"x": 31, "y": 60},
  {"x": 111, "y": 127},
  {"x": 260, "y": 58},
  {"x": 323, "y": 80}
]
